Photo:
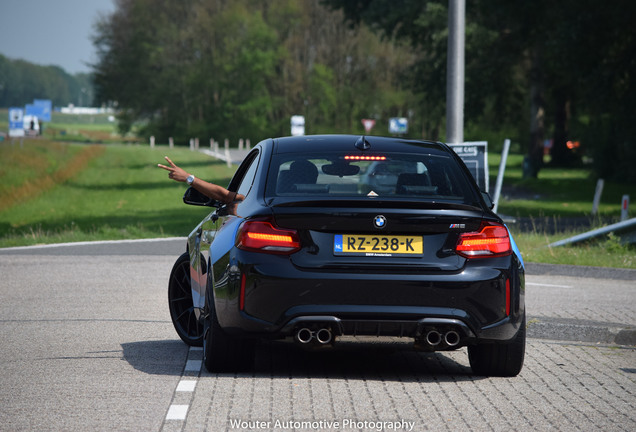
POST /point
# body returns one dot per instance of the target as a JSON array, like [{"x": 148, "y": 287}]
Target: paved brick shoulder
[
  {"x": 563, "y": 387},
  {"x": 581, "y": 309}
]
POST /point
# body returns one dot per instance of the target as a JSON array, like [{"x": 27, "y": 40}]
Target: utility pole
[{"x": 455, "y": 72}]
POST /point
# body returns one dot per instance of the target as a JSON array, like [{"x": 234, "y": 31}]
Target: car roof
[{"x": 321, "y": 143}]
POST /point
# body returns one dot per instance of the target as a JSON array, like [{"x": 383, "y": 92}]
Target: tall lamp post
[{"x": 455, "y": 72}]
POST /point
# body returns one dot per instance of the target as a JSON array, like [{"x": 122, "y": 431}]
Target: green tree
[
  {"x": 22, "y": 81},
  {"x": 242, "y": 68},
  {"x": 569, "y": 65}
]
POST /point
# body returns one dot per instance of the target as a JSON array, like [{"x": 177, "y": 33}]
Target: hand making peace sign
[{"x": 175, "y": 173}]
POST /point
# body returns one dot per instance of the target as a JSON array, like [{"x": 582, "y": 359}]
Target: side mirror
[
  {"x": 488, "y": 200},
  {"x": 194, "y": 197}
]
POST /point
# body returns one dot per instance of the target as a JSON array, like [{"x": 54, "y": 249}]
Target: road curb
[
  {"x": 575, "y": 330},
  {"x": 580, "y": 331},
  {"x": 580, "y": 271}
]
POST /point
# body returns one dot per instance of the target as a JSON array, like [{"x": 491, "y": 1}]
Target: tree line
[
  {"x": 242, "y": 68},
  {"x": 22, "y": 81},
  {"x": 535, "y": 71},
  {"x": 561, "y": 71}
]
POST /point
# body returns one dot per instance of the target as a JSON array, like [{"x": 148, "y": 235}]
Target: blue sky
[{"x": 51, "y": 32}]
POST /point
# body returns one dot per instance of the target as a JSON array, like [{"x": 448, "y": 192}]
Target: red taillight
[
  {"x": 491, "y": 240},
  {"x": 262, "y": 236}
]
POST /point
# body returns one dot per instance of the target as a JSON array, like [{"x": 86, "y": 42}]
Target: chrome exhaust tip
[
  {"x": 323, "y": 336},
  {"x": 451, "y": 338},
  {"x": 433, "y": 338},
  {"x": 304, "y": 335}
]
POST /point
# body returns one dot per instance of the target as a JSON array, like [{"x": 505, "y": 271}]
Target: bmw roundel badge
[{"x": 379, "y": 221}]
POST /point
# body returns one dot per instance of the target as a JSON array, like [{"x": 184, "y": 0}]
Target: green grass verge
[
  {"x": 561, "y": 195},
  {"x": 557, "y": 192},
  {"x": 120, "y": 194},
  {"x": 31, "y": 161},
  {"x": 606, "y": 252}
]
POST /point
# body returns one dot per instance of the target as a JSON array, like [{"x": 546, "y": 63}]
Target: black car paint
[{"x": 369, "y": 283}]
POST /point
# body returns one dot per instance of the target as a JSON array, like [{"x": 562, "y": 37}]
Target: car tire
[
  {"x": 503, "y": 360},
  {"x": 184, "y": 319},
  {"x": 221, "y": 352}
]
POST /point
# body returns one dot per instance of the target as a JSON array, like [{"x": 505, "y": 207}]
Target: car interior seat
[
  {"x": 300, "y": 172},
  {"x": 414, "y": 184}
]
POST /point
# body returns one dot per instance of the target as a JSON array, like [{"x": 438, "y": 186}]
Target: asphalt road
[{"x": 87, "y": 344}]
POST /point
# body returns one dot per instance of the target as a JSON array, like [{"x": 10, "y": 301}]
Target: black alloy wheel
[
  {"x": 185, "y": 322},
  {"x": 502, "y": 360}
]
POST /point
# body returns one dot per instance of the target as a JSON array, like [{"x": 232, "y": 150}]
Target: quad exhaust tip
[
  {"x": 322, "y": 336},
  {"x": 304, "y": 335},
  {"x": 450, "y": 338},
  {"x": 433, "y": 338}
]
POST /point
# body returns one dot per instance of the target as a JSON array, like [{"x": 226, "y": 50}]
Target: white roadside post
[
  {"x": 625, "y": 208},
  {"x": 500, "y": 175},
  {"x": 228, "y": 158},
  {"x": 597, "y": 196}
]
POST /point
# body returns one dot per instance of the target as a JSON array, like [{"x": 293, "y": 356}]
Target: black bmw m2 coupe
[{"x": 344, "y": 235}]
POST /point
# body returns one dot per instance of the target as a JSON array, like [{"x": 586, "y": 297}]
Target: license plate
[{"x": 377, "y": 246}]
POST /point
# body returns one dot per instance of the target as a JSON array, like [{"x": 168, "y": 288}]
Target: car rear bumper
[{"x": 280, "y": 299}]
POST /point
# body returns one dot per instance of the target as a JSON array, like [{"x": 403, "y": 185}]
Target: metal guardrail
[{"x": 628, "y": 226}]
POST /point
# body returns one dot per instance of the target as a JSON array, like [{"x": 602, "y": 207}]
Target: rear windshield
[{"x": 396, "y": 175}]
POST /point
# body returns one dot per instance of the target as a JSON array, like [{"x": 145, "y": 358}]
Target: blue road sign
[
  {"x": 34, "y": 110},
  {"x": 398, "y": 125},
  {"x": 16, "y": 125},
  {"x": 47, "y": 106}
]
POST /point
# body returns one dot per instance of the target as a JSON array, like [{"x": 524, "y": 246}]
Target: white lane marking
[
  {"x": 177, "y": 412},
  {"x": 101, "y": 242},
  {"x": 193, "y": 366},
  {"x": 548, "y": 285},
  {"x": 186, "y": 385},
  {"x": 185, "y": 389}
]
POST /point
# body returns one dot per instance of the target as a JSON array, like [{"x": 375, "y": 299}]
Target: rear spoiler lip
[{"x": 372, "y": 203}]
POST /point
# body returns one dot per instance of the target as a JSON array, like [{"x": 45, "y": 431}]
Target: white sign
[
  {"x": 297, "y": 125},
  {"x": 16, "y": 122}
]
